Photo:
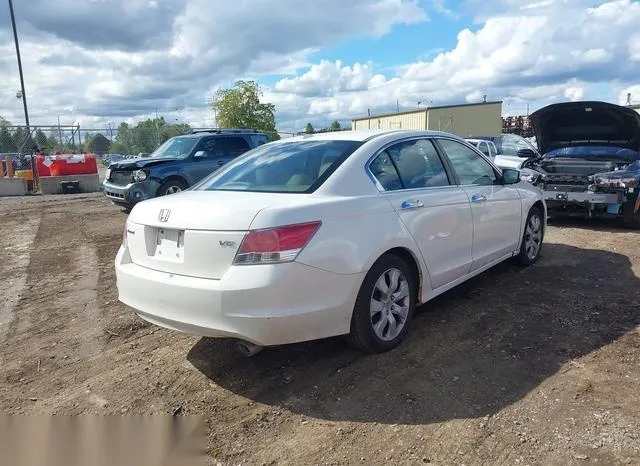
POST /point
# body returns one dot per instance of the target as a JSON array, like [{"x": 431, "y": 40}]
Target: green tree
[
  {"x": 309, "y": 129},
  {"x": 240, "y": 107},
  {"x": 7, "y": 141},
  {"x": 124, "y": 139},
  {"x": 98, "y": 144},
  {"x": 42, "y": 141},
  {"x": 335, "y": 126}
]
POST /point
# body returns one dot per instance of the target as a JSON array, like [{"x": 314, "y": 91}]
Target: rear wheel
[
  {"x": 384, "y": 307},
  {"x": 531, "y": 245},
  {"x": 171, "y": 186}
]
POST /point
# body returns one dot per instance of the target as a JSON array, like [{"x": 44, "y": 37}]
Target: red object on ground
[{"x": 67, "y": 164}]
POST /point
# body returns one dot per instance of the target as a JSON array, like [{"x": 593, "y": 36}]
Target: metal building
[{"x": 464, "y": 120}]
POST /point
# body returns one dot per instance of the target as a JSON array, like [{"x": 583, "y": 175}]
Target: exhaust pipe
[{"x": 248, "y": 349}]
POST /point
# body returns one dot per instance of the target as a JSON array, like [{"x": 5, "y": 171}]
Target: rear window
[
  {"x": 258, "y": 139},
  {"x": 289, "y": 167}
]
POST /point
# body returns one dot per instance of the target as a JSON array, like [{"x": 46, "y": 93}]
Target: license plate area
[{"x": 169, "y": 245}]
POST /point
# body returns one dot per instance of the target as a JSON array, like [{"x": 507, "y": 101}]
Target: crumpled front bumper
[{"x": 132, "y": 193}]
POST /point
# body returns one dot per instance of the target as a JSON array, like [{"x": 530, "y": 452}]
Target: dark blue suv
[{"x": 177, "y": 164}]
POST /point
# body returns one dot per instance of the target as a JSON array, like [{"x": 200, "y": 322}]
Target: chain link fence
[{"x": 20, "y": 144}]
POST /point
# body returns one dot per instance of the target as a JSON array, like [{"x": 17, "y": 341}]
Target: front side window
[
  {"x": 288, "y": 167},
  {"x": 469, "y": 166},
  {"x": 212, "y": 147}
]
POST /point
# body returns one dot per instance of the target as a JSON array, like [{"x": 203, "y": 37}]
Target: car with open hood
[{"x": 590, "y": 160}]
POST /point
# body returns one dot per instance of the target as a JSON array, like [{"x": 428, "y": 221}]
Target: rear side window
[
  {"x": 385, "y": 172},
  {"x": 237, "y": 145},
  {"x": 258, "y": 139},
  {"x": 410, "y": 165},
  {"x": 418, "y": 164},
  {"x": 288, "y": 167}
]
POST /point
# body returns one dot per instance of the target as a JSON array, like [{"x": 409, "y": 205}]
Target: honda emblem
[{"x": 164, "y": 215}]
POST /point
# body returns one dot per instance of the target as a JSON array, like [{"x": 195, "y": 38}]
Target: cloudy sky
[{"x": 99, "y": 61}]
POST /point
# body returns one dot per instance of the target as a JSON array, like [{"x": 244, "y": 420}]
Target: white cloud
[
  {"x": 182, "y": 50},
  {"x": 574, "y": 93},
  {"x": 538, "y": 58},
  {"x": 122, "y": 58}
]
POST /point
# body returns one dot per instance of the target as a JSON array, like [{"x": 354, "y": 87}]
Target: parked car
[
  {"x": 591, "y": 161},
  {"x": 512, "y": 150},
  {"x": 488, "y": 148},
  {"x": 326, "y": 234},
  {"x": 176, "y": 165}
]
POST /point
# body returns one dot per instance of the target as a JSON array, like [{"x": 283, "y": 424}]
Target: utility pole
[
  {"x": 24, "y": 94},
  {"x": 157, "y": 130},
  {"x": 59, "y": 131}
]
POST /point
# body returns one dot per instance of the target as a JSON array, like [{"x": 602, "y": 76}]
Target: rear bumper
[
  {"x": 132, "y": 193},
  {"x": 263, "y": 304}
]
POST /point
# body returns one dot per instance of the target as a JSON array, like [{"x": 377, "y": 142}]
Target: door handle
[
  {"x": 411, "y": 205},
  {"x": 478, "y": 198},
  {"x": 220, "y": 162}
]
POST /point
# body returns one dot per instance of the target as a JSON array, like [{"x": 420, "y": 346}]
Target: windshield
[
  {"x": 290, "y": 167},
  {"x": 177, "y": 147}
]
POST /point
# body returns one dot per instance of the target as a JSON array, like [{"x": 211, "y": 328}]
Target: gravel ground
[{"x": 518, "y": 366}]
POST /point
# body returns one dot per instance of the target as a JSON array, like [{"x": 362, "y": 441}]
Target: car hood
[
  {"x": 585, "y": 124},
  {"x": 134, "y": 164}
]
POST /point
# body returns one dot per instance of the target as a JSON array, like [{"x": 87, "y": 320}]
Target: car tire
[
  {"x": 631, "y": 219},
  {"x": 380, "y": 319},
  {"x": 171, "y": 186},
  {"x": 532, "y": 237}
]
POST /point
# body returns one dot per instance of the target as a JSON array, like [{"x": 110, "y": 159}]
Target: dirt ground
[{"x": 518, "y": 366}]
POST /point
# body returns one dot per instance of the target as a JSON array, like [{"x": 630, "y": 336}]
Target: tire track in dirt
[
  {"x": 15, "y": 246},
  {"x": 61, "y": 260}
]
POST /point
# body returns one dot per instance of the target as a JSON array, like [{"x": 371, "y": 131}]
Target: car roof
[
  {"x": 199, "y": 134},
  {"x": 361, "y": 135}
]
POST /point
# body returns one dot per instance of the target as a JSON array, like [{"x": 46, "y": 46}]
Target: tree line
[{"x": 237, "y": 107}]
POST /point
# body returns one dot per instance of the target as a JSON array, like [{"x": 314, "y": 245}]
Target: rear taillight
[{"x": 273, "y": 245}]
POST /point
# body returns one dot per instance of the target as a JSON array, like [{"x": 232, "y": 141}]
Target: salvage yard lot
[{"x": 533, "y": 366}]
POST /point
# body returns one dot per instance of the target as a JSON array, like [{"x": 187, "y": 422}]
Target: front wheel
[
  {"x": 171, "y": 187},
  {"x": 384, "y": 306},
  {"x": 531, "y": 245}
]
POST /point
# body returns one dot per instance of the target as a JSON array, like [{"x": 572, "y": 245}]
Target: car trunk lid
[{"x": 195, "y": 233}]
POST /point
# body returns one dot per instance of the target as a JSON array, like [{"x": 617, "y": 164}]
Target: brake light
[{"x": 274, "y": 245}]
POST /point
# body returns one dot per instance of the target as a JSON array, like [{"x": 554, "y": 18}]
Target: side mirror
[
  {"x": 525, "y": 153},
  {"x": 198, "y": 154},
  {"x": 510, "y": 176}
]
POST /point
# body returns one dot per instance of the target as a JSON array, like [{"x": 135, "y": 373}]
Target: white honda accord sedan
[{"x": 341, "y": 233}]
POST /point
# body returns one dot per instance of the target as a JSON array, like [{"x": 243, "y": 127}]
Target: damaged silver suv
[{"x": 590, "y": 161}]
